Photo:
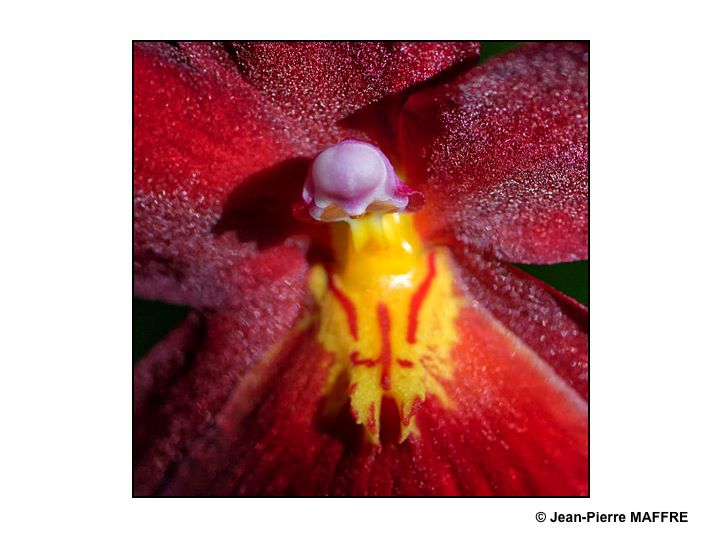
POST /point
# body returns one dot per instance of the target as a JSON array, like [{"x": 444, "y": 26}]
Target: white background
[{"x": 65, "y": 84}]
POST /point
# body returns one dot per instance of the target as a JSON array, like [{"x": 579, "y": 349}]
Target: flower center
[{"x": 386, "y": 311}]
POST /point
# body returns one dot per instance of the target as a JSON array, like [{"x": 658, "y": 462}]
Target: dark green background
[{"x": 153, "y": 320}]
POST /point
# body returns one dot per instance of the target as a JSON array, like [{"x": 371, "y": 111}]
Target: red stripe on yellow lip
[
  {"x": 346, "y": 304},
  {"x": 418, "y": 298}
]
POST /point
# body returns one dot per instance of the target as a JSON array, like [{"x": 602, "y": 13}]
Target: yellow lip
[{"x": 387, "y": 311}]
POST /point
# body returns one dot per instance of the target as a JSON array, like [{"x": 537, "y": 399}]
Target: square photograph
[{"x": 360, "y": 269}]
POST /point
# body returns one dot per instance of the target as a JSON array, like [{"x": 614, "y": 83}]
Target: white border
[{"x": 66, "y": 268}]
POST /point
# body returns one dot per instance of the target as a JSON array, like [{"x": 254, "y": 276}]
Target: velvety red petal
[
  {"x": 515, "y": 428},
  {"x": 318, "y": 84},
  {"x": 502, "y": 154},
  {"x": 554, "y": 325},
  {"x": 181, "y": 386},
  {"x": 215, "y": 175}
]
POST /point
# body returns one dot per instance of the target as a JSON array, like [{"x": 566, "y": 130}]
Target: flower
[{"x": 376, "y": 351}]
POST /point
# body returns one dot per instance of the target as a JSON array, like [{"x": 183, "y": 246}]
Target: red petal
[
  {"x": 318, "y": 84},
  {"x": 554, "y": 325},
  {"x": 181, "y": 386},
  {"x": 204, "y": 149},
  {"x": 515, "y": 429},
  {"x": 502, "y": 154}
]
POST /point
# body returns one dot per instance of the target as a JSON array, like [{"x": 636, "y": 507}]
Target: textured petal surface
[
  {"x": 180, "y": 387},
  {"x": 318, "y": 84},
  {"x": 502, "y": 154},
  {"x": 554, "y": 325},
  {"x": 204, "y": 149},
  {"x": 515, "y": 428}
]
